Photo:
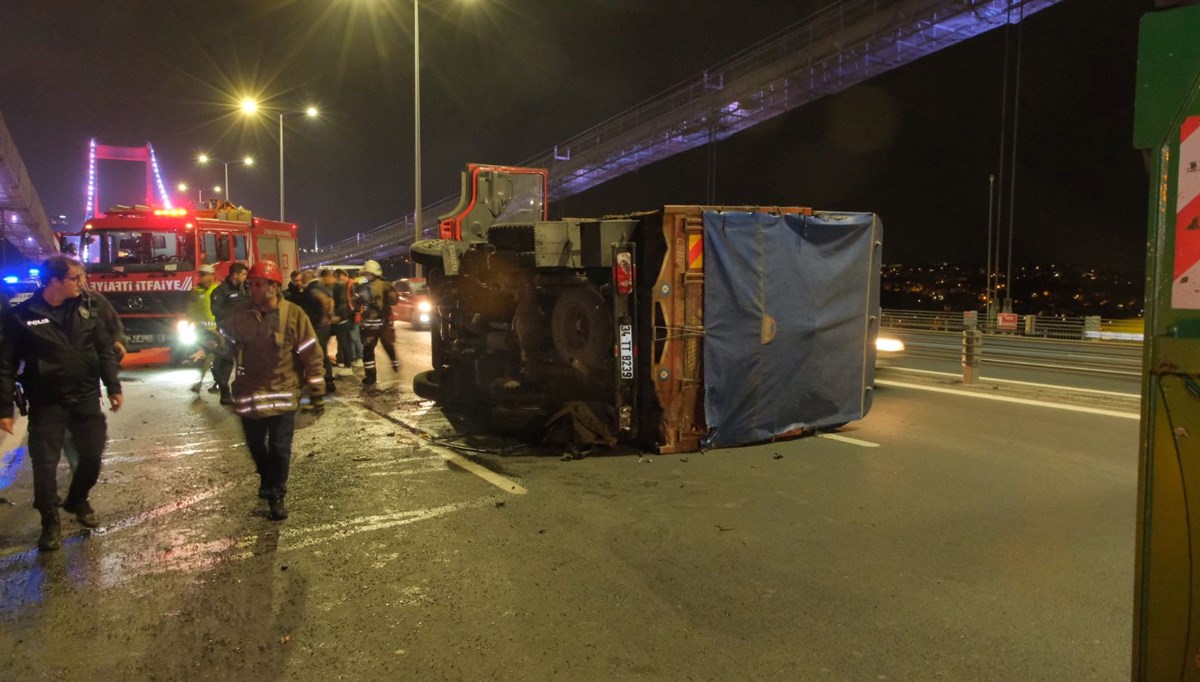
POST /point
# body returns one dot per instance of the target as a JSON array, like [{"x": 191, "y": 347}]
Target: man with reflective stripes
[{"x": 277, "y": 354}]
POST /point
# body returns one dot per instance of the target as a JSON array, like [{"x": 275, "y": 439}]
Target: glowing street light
[
  {"x": 245, "y": 161},
  {"x": 249, "y": 106}
]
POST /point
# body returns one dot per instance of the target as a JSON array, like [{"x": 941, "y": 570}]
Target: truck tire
[
  {"x": 425, "y": 385},
  {"x": 581, "y": 327}
]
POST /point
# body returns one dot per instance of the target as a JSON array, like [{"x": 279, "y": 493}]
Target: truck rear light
[{"x": 623, "y": 273}]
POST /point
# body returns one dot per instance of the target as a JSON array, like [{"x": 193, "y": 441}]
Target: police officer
[
  {"x": 102, "y": 308},
  {"x": 227, "y": 296},
  {"x": 377, "y": 297},
  {"x": 277, "y": 354},
  {"x": 67, "y": 353}
]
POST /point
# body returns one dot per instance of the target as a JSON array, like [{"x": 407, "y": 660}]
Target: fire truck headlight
[
  {"x": 186, "y": 332},
  {"x": 424, "y": 306}
]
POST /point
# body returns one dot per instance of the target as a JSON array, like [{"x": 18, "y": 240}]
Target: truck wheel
[
  {"x": 425, "y": 385},
  {"x": 581, "y": 327}
]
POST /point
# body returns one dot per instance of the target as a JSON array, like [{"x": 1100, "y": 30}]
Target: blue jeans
[
  {"x": 356, "y": 341},
  {"x": 270, "y": 443}
]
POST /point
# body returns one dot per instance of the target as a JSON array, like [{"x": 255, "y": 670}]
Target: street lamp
[
  {"x": 245, "y": 161},
  {"x": 249, "y": 107},
  {"x": 416, "y": 120},
  {"x": 310, "y": 112},
  {"x": 416, "y": 127}
]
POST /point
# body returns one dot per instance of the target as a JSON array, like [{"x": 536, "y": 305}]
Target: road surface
[{"x": 981, "y": 534}]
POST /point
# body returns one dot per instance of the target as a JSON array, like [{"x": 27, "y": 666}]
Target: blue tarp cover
[{"x": 790, "y": 314}]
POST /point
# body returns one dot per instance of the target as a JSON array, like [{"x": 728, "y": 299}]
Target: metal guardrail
[
  {"x": 1108, "y": 358},
  {"x": 1040, "y": 326}
]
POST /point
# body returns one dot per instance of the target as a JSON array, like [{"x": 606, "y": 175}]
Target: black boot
[
  {"x": 226, "y": 396},
  {"x": 83, "y": 512},
  {"x": 278, "y": 509},
  {"x": 51, "y": 537},
  {"x": 369, "y": 378}
]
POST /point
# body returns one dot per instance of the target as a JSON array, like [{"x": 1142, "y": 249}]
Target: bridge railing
[
  {"x": 1071, "y": 345},
  {"x": 1041, "y": 326}
]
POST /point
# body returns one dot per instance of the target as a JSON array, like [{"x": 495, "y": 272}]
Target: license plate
[
  {"x": 625, "y": 336},
  {"x": 145, "y": 339}
]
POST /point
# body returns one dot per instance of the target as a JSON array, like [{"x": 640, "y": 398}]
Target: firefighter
[
  {"x": 277, "y": 354},
  {"x": 227, "y": 296},
  {"x": 377, "y": 297},
  {"x": 200, "y": 314},
  {"x": 67, "y": 353}
]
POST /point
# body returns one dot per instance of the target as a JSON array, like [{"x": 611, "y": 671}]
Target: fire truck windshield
[{"x": 140, "y": 251}]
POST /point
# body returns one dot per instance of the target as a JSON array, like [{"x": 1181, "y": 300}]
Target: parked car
[
  {"x": 414, "y": 306},
  {"x": 18, "y": 289}
]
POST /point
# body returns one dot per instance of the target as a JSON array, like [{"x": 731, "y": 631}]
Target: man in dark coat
[
  {"x": 314, "y": 298},
  {"x": 58, "y": 338}
]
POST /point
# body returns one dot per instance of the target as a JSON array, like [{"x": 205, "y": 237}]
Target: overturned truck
[{"x": 674, "y": 329}]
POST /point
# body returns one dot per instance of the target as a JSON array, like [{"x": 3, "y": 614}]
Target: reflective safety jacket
[
  {"x": 377, "y": 298},
  {"x": 277, "y": 355},
  {"x": 200, "y": 307}
]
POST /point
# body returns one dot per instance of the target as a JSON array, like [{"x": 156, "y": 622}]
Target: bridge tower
[{"x": 144, "y": 155}]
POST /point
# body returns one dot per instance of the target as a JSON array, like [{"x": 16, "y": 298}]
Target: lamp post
[
  {"x": 311, "y": 112},
  {"x": 987, "y": 296},
  {"x": 245, "y": 161},
  {"x": 416, "y": 127}
]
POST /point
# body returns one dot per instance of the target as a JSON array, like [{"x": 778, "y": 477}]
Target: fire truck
[
  {"x": 146, "y": 261},
  {"x": 677, "y": 328}
]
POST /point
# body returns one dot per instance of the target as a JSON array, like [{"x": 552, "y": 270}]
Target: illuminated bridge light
[{"x": 158, "y": 181}]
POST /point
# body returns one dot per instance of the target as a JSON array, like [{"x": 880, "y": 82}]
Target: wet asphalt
[{"x": 930, "y": 542}]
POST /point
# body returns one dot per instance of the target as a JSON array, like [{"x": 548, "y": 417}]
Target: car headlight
[
  {"x": 186, "y": 332},
  {"x": 888, "y": 344},
  {"x": 424, "y": 306}
]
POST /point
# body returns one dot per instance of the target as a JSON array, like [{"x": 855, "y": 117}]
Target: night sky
[{"x": 503, "y": 80}]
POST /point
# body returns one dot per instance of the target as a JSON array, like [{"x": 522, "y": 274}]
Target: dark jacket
[
  {"x": 277, "y": 354},
  {"x": 317, "y": 304},
  {"x": 108, "y": 315},
  {"x": 341, "y": 301},
  {"x": 377, "y": 297},
  {"x": 63, "y": 363},
  {"x": 226, "y": 297}
]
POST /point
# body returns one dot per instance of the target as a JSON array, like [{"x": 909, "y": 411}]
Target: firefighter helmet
[
  {"x": 266, "y": 269},
  {"x": 371, "y": 267}
]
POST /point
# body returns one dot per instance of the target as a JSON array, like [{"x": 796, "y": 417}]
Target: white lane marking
[
  {"x": 847, "y": 439},
  {"x": 467, "y": 465},
  {"x": 1006, "y": 399},
  {"x": 958, "y": 375}
]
